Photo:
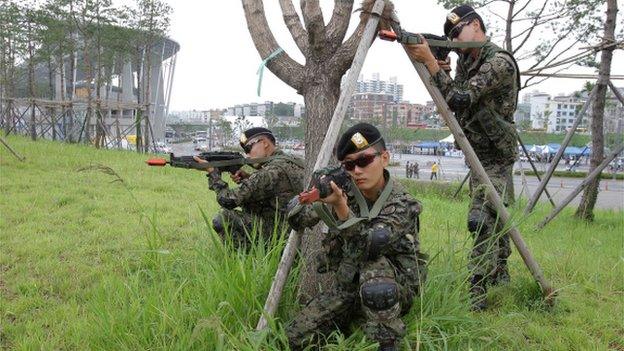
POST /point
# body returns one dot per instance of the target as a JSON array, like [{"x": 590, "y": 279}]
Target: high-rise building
[{"x": 378, "y": 86}]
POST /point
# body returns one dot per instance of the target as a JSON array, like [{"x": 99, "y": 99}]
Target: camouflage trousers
[
  {"x": 491, "y": 246},
  {"x": 241, "y": 227},
  {"x": 375, "y": 301}
]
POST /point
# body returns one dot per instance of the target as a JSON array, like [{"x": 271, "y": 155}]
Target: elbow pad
[{"x": 458, "y": 100}]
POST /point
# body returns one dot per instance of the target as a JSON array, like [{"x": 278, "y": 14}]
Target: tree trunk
[
  {"x": 99, "y": 121},
  {"x": 590, "y": 195},
  {"x": 89, "y": 79},
  {"x": 31, "y": 84},
  {"x": 509, "y": 21},
  {"x": 147, "y": 80},
  {"x": 139, "y": 137},
  {"x": 320, "y": 101},
  {"x": 51, "y": 110}
]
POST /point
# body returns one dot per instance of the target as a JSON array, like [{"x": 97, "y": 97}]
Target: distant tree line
[{"x": 94, "y": 37}]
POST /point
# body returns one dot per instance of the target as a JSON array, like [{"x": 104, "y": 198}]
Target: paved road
[{"x": 611, "y": 195}]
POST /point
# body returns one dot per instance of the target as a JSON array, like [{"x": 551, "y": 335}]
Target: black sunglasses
[
  {"x": 247, "y": 147},
  {"x": 361, "y": 161},
  {"x": 454, "y": 33}
]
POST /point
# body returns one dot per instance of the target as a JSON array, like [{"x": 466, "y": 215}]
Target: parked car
[{"x": 161, "y": 148}]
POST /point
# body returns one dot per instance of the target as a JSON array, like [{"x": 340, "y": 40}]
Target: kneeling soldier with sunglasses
[
  {"x": 372, "y": 246},
  {"x": 262, "y": 196}
]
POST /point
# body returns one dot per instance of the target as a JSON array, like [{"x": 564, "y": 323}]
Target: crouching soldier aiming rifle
[
  {"x": 263, "y": 195},
  {"x": 372, "y": 245},
  {"x": 483, "y": 96}
]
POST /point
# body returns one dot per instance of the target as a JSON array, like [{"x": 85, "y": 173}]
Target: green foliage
[
  {"x": 542, "y": 138},
  {"x": 282, "y": 109},
  {"x": 120, "y": 256}
]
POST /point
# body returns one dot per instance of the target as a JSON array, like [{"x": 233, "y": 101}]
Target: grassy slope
[{"x": 86, "y": 263}]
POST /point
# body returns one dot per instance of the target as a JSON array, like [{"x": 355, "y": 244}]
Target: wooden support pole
[
  {"x": 322, "y": 160},
  {"x": 461, "y": 185},
  {"x": 590, "y": 178},
  {"x": 526, "y": 152},
  {"x": 479, "y": 172},
  {"x": 555, "y": 161},
  {"x": 616, "y": 92},
  {"x": 12, "y": 151}
]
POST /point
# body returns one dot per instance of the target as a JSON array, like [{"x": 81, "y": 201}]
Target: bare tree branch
[
  {"x": 496, "y": 15},
  {"x": 339, "y": 23},
  {"x": 549, "y": 16},
  {"x": 480, "y": 6},
  {"x": 530, "y": 31},
  {"x": 526, "y": 82},
  {"x": 293, "y": 23},
  {"x": 283, "y": 66},
  {"x": 521, "y": 9},
  {"x": 315, "y": 25},
  {"x": 552, "y": 48},
  {"x": 344, "y": 55}
]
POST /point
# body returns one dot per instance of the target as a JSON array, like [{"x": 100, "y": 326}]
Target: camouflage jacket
[
  {"x": 265, "y": 191},
  {"x": 492, "y": 82},
  {"x": 348, "y": 249}
]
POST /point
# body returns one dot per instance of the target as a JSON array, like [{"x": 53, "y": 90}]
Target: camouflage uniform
[
  {"x": 262, "y": 197},
  {"x": 374, "y": 284},
  {"x": 491, "y": 82}
]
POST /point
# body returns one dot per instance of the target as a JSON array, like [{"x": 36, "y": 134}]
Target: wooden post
[
  {"x": 323, "y": 158},
  {"x": 590, "y": 177},
  {"x": 616, "y": 92},
  {"x": 12, "y": 151},
  {"x": 526, "y": 152},
  {"x": 479, "y": 172},
  {"x": 555, "y": 161},
  {"x": 461, "y": 185}
]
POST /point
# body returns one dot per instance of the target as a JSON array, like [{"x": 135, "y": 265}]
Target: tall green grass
[{"x": 120, "y": 256}]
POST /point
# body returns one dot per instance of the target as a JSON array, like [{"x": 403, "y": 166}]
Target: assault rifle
[
  {"x": 320, "y": 186},
  {"x": 225, "y": 161},
  {"x": 440, "y": 45}
]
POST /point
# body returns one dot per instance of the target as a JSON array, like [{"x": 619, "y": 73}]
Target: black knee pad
[
  {"x": 379, "y": 296},
  {"x": 217, "y": 224}
]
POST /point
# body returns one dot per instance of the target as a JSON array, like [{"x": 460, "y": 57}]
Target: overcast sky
[{"x": 217, "y": 63}]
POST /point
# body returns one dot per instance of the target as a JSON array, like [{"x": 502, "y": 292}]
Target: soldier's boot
[
  {"x": 478, "y": 293},
  {"x": 388, "y": 345},
  {"x": 501, "y": 274}
]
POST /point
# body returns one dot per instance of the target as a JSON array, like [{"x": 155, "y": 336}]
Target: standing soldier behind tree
[
  {"x": 262, "y": 196},
  {"x": 374, "y": 250},
  {"x": 484, "y": 96}
]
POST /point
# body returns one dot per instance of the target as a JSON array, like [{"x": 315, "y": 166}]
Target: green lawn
[{"x": 120, "y": 257}]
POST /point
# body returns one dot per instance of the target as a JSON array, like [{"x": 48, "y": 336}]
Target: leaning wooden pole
[
  {"x": 555, "y": 161},
  {"x": 526, "y": 152},
  {"x": 461, "y": 185},
  {"x": 12, "y": 151},
  {"x": 322, "y": 160},
  {"x": 590, "y": 178},
  {"x": 479, "y": 172},
  {"x": 616, "y": 92}
]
